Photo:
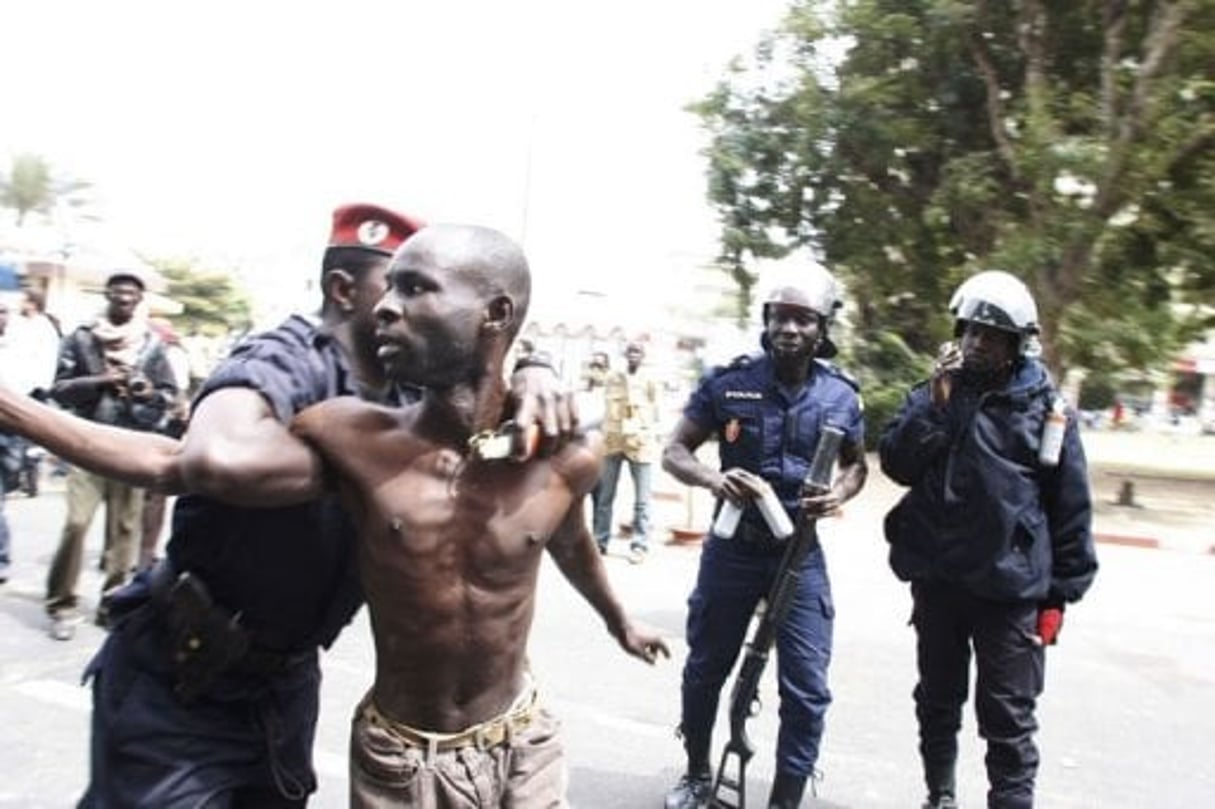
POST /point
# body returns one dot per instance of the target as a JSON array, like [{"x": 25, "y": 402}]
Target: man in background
[
  {"x": 31, "y": 367},
  {"x": 173, "y": 424},
  {"x": 630, "y": 428},
  {"x": 10, "y": 448},
  {"x": 112, "y": 371}
]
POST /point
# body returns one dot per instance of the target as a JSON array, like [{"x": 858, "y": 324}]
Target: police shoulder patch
[
  {"x": 840, "y": 373},
  {"x": 741, "y": 361}
]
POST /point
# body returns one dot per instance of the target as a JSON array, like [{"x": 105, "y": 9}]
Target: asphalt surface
[{"x": 1128, "y": 717}]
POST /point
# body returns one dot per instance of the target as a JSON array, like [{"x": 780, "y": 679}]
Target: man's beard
[{"x": 982, "y": 374}]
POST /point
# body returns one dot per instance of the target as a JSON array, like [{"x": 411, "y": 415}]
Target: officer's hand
[
  {"x": 949, "y": 360},
  {"x": 544, "y": 409},
  {"x": 821, "y": 504},
  {"x": 737, "y": 485},
  {"x": 1050, "y": 624}
]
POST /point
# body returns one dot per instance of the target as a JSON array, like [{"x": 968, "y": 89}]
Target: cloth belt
[{"x": 483, "y": 736}]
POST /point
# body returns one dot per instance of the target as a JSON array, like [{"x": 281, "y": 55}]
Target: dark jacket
[
  {"x": 81, "y": 354},
  {"x": 982, "y": 511}
]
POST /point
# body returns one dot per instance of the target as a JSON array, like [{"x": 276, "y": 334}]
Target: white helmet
[
  {"x": 810, "y": 287},
  {"x": 997, "y": 299}
]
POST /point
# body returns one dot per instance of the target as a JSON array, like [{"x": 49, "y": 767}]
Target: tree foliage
[
  {"x": 1072, "y": 144},
  {"x": 29, "y": 185},
  {"x": 212, "y": 303}
]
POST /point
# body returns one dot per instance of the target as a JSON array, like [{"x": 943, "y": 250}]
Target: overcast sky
[{"x": 230, "y": 129}]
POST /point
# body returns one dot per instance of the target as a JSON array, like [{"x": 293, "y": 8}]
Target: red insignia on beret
[{"x": 371, "y": 227}]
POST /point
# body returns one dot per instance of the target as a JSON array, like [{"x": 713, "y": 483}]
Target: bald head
[
  {"x": 457, "y": 297},
  {"x": 488, "y": 260}
]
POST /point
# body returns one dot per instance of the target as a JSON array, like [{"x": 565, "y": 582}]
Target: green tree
[
  {"x": 31, "y": 186},
  {"x": 1072, "y": 144},
  {"x": 212, "y": 302}
]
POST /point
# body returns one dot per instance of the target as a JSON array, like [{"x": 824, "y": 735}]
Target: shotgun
[{"x": 744, "y": 698}]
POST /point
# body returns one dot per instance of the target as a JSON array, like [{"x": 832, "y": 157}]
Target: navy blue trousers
[
  {"x": 1008, "y": 681},
  {"x": 245, "y": 742},
  {"x": 734, "y": 575}
]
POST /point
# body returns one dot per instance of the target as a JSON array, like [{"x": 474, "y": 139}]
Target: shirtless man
[
  {"x": 173, "y": 695},
  {"x": 451, "y": 544}
]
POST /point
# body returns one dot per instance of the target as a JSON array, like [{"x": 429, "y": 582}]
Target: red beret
[{"x": 371, "y": 227}]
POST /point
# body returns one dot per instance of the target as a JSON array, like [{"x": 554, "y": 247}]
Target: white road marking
[{"x": 72, "y": 697}]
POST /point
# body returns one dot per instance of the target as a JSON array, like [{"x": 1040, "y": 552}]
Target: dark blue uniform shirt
[
  {"x": 770, "y": 430},
  {"x": 290, "y": 571}
]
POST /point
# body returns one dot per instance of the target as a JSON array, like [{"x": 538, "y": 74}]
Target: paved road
[{"x": 1128, "y": 716}]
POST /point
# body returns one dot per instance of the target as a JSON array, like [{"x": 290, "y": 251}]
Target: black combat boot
[
  {"x": 787, "y": 791},
  {"x": 695, "y": 788},
  {"x": 942, "y": 787},
  {"x": 943, "y": 801},
  {"x": 692, "y": 791}
]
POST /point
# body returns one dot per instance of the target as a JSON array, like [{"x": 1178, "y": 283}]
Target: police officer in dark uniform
[
  {"x": 766, "y": 413},
  {"x": 206, "y": 691},
  {"x": 994, "y": 534}
]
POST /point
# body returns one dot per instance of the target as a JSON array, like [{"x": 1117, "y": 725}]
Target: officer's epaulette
[
  {"x": 840, "y": 373},
  {"x": 741, "y": 361}
]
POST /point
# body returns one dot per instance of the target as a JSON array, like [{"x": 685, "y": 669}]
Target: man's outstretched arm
[
  {"x": 234, "y": 450},
  {"x": 148, "y": 460}
]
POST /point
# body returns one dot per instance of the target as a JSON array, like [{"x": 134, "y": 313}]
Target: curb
[
  {"x": 686, "y": 537},
  {"x": 1151, "y": 543},
  {"x": 681, "y": 534},
  {"x": 1127, "y": 540}
]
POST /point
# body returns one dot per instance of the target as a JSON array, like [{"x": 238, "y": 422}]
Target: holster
[{"x": 205, "y": 639}]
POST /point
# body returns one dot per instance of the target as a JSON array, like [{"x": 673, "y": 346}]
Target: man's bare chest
[{"x": 447, "y": 501}]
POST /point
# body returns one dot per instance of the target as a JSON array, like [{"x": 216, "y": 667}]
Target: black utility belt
[
  {"x": 759, "y": 540},
  {"x": 207, "y": 640},
  {"x": 754, "y": 534}
]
